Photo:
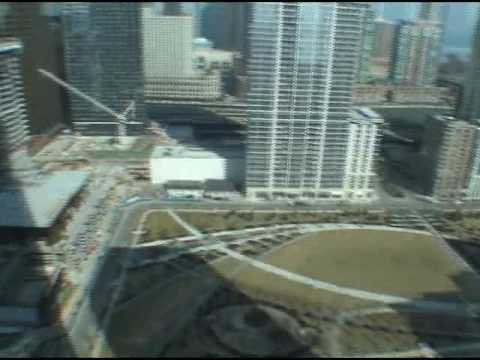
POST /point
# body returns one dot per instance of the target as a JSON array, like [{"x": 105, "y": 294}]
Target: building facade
[
  {"x": 384, "y": 32},
  {"x": 415, "y": 53},
  {"x": 103, "y": 50},
  {"x": 169, "y": 60},
  {"x": 381, "y": 56},
  {"x": 167, "y": 45},
  {"x": 367, "y": 37},
  {"x": 13, "y": 114},
  {"x": 42, "y": 48},
  {"x": 447, "y": 167},
  {"x": 470, "y": 105},
  {"x": 301, "y": 70},
  {"x": 363, "y": 147},
  {"x": 201, "y": 87},
  {"x": 30, "y": 198}
]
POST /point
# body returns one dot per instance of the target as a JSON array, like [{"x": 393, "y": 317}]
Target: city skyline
[{"x": 266, "y": 179}]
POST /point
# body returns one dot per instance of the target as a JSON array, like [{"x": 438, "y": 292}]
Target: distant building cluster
[
  {"x": 402, "y": 94},
  {"x": 404, "y": 53},
  {"x": 297, "y": 76}
]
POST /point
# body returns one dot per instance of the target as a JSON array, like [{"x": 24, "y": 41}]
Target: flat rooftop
[
  {"x": 38, "y": 205},
  {"x": 194, "y": 152}
]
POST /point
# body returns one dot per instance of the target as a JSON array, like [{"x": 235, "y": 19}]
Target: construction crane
[{"x": 122, "y": 119}]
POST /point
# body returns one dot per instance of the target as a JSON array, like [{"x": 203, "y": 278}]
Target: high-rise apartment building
[
  {"x": 449, "y": 145},
  {"x": 167, "y": 44},
  {"x": 168, "y": 60},
  {"x": 384, "y": 32},
  {"x": 415, "y": 52},
  {"x": 29, "y": 197},
  {"x": 367, "y": 37},
  {"x": 103, "y": 51},
  {"x": 13, "y": 114},
  {"x": 301, "y": 70},
  {"x": 381, "y": 55},
  {"x": 435, "y": 12},
  {"x": 470, "y": 106},
  {"x": 42, "y": 48}
]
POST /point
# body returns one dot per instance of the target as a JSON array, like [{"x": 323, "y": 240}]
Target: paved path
[
  {"x": 184, "y": 224},
  {"x": 359, "y": 294}
]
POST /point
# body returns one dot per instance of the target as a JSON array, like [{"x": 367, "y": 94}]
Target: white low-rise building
[{"x": 179, "y": 162}]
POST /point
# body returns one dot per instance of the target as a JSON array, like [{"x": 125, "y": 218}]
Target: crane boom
[{"x": 49, "y": 75}]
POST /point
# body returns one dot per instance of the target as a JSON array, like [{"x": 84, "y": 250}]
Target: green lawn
[{"x": 160, "y": 225}]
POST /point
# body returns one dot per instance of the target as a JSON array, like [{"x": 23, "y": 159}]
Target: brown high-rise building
[
  {"x": 42, "y": 48},
  {"x": 448, "y": 153}
]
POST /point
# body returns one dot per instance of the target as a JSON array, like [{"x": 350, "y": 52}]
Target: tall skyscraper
[
  {"x": 415, "y": 53},
  {"x": 13, "y": 114},
  {"x": 470, "y": 106},
  {"x": 435, "y": 12},
  {"x": 367, "y": 37},
  {"x": 167, "y": 44},
  {"x": 301, "y": 70},
  {"x": 42, "y": 48},
  {"x": 29, "y": 197},
  {"x": 103, "y": 50},
  {"x": 384, "y": 32},
  {"x": 168, "y": 60},
  {"x": 446, "y": 172}
]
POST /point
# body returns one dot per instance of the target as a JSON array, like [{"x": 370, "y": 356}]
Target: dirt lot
[{"x": 160, "y": 225}]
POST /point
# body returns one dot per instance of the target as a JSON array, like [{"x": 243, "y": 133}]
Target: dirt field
[{"x": 159, "y": 225}]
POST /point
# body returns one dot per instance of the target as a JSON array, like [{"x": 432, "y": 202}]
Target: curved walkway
[
  {"x": 322, "y": 285},
  {"x": 356, "y": 293}
]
